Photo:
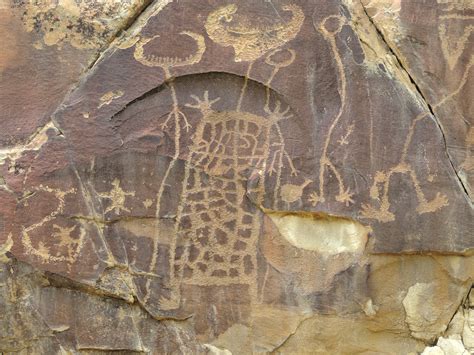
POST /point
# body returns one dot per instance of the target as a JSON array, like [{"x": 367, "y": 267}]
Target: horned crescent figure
[{"x": 251, "y": 41}]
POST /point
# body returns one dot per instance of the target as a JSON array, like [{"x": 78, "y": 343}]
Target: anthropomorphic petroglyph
[
  {"x": 454, "y": 47},
  {"x": 330, "y": 27},
  {"x": 179, "y": 119},
  {"x": 216, "y": 225},
  {"x": 215, "y": 243},
  {"x": 117, "y": 197}
]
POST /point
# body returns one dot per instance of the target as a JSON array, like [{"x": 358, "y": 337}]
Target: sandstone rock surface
[{"x": 236, "y": 177}]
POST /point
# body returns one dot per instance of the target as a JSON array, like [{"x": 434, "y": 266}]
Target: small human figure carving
[{"x": 117, "y": 198}]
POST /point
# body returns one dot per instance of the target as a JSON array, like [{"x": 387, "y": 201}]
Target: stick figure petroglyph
[
  {"x": 167, "y": 63},
  {"x": 382, "y": 213},
  {"x": 117, "y": 198},
  {"x": 330, "y": 27}
]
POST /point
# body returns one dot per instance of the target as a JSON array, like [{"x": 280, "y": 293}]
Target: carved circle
[{"x": 332, "y": 24}]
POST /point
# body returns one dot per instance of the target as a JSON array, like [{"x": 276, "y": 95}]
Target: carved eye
[{"x": 228, "y": 18}]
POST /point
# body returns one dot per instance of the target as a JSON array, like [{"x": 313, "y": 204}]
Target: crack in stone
[
  {"x": 424, "y": 100},
  {"x": 289, "y": 336},
  {"x": 59, "y": 281},
  {"x": 119, "y": 219},
  {"x": 101, "y": 53}
]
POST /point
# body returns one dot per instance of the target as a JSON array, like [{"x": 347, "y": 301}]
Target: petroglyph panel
[{"x": 223, "y": 167}]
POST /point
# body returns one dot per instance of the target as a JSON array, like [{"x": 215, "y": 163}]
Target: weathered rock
[
  {"x": 436, "y": 50},
  {"x": 206, "y": 177},
  {"x": 46, "y": 47}
]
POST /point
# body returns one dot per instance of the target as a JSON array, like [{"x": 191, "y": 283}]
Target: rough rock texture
[{"x": 216, "y": 177}]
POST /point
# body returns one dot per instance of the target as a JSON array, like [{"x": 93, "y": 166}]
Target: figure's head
[{"x": 224, "y": 13}]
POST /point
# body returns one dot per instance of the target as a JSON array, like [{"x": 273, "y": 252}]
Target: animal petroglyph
[
  {"x": 382, "y": 213},
  {"x": 117, "y": 198},
  {"x": 108, "y": 97},
  {"x": 292, "y": 193},
  {"x": 35, "y": 142},
  {"x": 251, "y": 41},
  {"x": 73, "y": 246},
  {"x": 380, "y": 194}
]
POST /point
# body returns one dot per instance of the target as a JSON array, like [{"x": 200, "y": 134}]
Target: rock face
[{"x": 215, "y": 177}]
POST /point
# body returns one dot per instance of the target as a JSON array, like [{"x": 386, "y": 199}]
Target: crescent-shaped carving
[{"x": 169, "y": 62}]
